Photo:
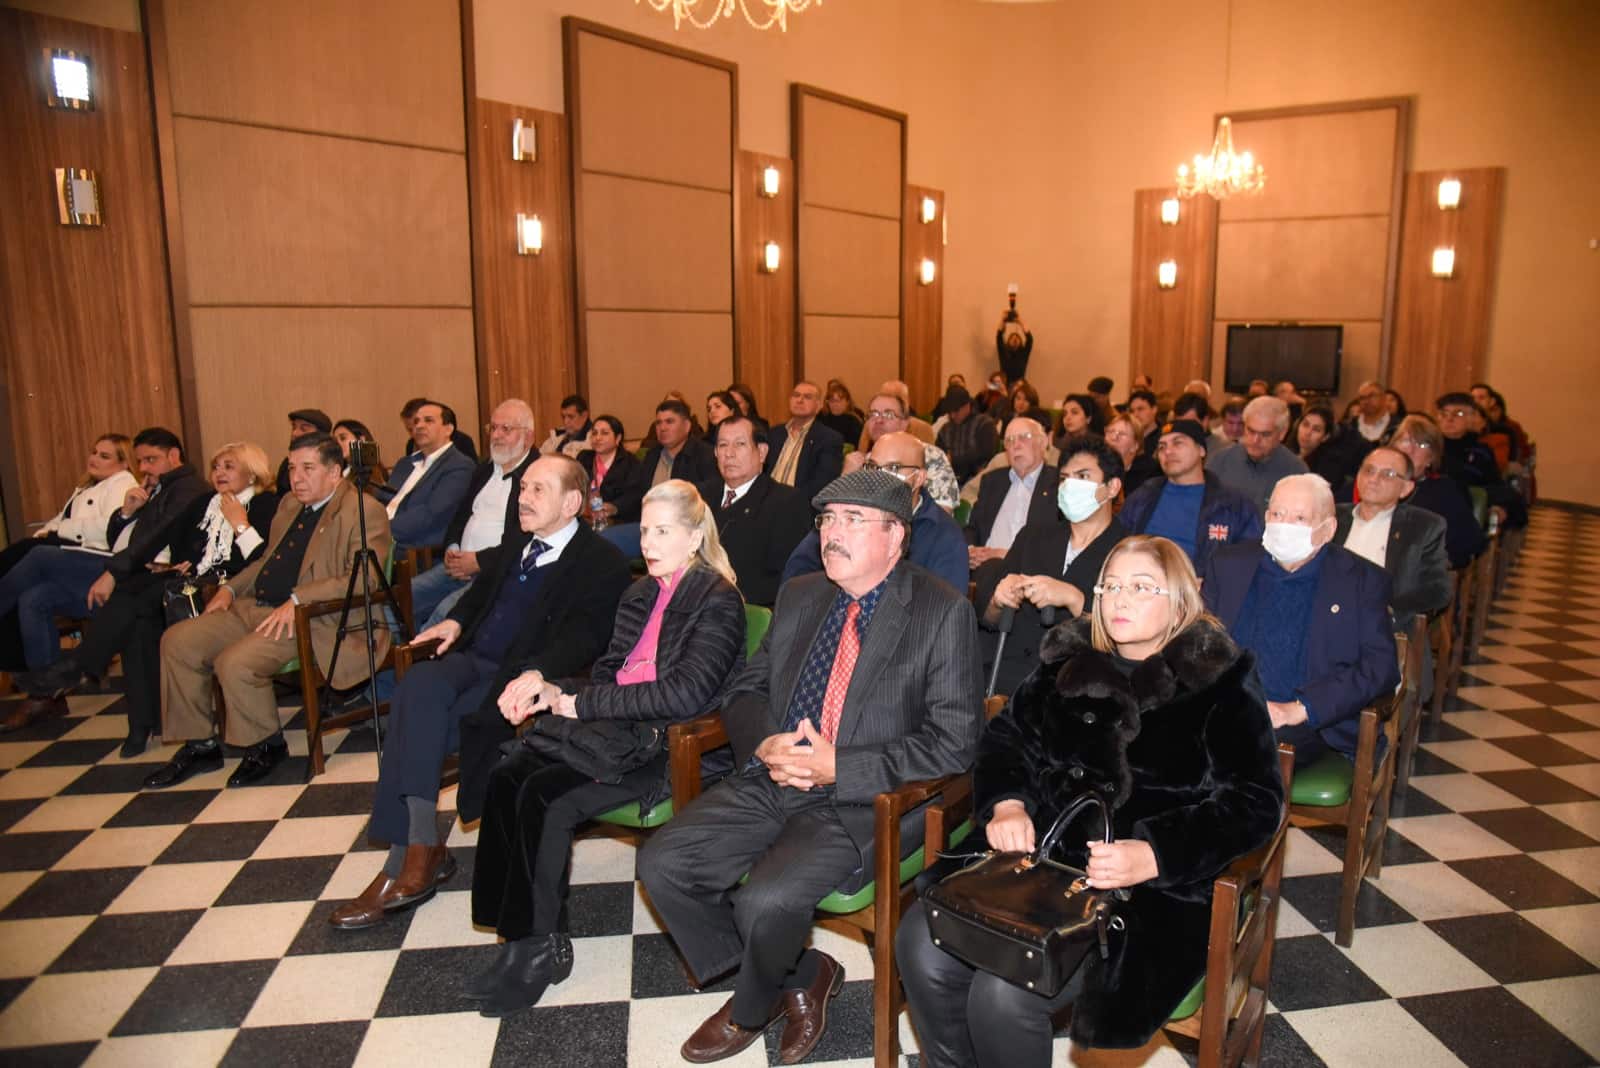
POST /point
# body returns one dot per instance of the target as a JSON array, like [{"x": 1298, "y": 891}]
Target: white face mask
[
  {"x": 1077, "y": 499},
  {"x": 1287, "y": 543}
]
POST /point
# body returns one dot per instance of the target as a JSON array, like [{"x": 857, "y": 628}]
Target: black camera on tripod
[{"x": 363, "y": 460}]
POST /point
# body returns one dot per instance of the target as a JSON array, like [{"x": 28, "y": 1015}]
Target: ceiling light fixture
[
  {"x": 703, "y": 14},
  {"x": 1224, "y": 172}
]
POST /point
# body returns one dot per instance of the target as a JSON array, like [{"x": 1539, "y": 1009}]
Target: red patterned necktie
[
  {"x": 844, "y": 664},
  {"x": 727, "y": 499}
]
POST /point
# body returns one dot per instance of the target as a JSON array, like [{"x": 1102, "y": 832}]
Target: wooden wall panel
[
  {"x": 859, "y": 163},
  {"x": 765, "y": 302},
  {"x": 862, "y": 353},
  {"x": 261, "y": 363},
  {"x": 77, "y": 306},
  {"x": 657, "y": 246},
  {"x": 641, "y": 355},
  {"x": 922, "y": 325},
  {"x": 277, "y": 217},
  {"x": 523, "y": 308},
  {"x": 1311, "y": 269},
  {"x": 852, "y": 263},
  {"x": 1334, "y": 163},
  {"x": 389, "y": 74},
  {"x": 1442, "y": 329},
  {"x": 1170, "y": 337}
]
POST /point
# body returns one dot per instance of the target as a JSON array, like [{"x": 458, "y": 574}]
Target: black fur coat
[{"x": 1184, "y": 750}]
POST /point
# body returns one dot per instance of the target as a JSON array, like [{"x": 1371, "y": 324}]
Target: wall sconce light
[
  {"x": 771, "y": 256},
  {"x": 925, "y": 272},
  {"x": 1167, "y": 274},
  {"x": 1444, "y": 262},
  {"x": 524, "y": 141},
  {"x": 1169, "y": 212},
  {"x": 770, "y": 177},
  {"x": 1450, "y": 194},
  {"x": 68, "y": 85},
  {"x": 77, "y": 197},
  {"x": 530, "y": 235},
  {"x": 930, "y": 209}
]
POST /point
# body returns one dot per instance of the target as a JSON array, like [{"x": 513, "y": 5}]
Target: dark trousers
[
  {"x": 1307, "y": 742},
  {"x": 130, "y": 623},
  {"x": 47, "y": 582},
  {"x": 533, "y": 808},
  {"x": 964, "y": 1016},
  {"x": 796, "y": 851},
  {"x": 424, "y": 729},
  {"x": 11, "y": 657}
]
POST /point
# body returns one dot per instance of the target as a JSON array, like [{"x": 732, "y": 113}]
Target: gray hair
[
  {"x": 524, "y": 411},
  {"x": 1319, "y": 489},
  {"x": 1270, "y": 406}
]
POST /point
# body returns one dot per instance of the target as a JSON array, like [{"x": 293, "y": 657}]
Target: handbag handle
[{"x": 1059, "y": 827}]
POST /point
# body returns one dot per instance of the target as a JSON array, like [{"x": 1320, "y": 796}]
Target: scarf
[{"x": 219, "y": 534}]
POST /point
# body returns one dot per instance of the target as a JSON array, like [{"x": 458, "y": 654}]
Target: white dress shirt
[
  {"x": 487, "y": 525},
  {"x": 417, "y": 471},
  {"x": 1013, "y": 514},
  {"x": 1369, "y": 538}
]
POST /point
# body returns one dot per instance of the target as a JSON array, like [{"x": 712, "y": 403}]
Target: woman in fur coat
[{"x": 1150, "y": 703}]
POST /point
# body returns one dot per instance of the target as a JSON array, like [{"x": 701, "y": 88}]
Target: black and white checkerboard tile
[{"x": 187, "y": 927}]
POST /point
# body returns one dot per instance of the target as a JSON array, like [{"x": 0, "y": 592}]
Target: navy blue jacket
[
  {"x": 424, "y": 516},
  {"x": 1227, "y": 516},
  {"x": 1349, "y": 642},
  {"x": 937, "y": 544},
  {"x": 821, "y": 457}
]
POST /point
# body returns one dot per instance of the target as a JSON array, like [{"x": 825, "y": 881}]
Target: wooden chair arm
[
  {"x": 687, "y": 742},
  {"x": 405, "y": 656}
]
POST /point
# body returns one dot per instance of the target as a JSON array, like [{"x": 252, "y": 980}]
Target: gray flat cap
[{"x": 870, "y": 488}]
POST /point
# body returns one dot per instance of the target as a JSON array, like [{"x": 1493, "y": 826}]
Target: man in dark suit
[
  {"x": 1316, "y": 616},
  {"x": 1406, "y": 542},
  {"x": 487, "y": 512},
  {"x": 802, "y": 452},
  {"x": 425, "y": 487},
  {"x": 867, "y": 680},
  {"x": 759, "y": 521},
  {"x": 678, "y": 453},
  {"x": 1022, "y": 492},
  {"x": 545, "y": 606}
]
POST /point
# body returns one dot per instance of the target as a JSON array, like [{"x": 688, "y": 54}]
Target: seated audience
[
  {"x": 696, "y": 431},
  {"x": 347, "y": 432},
  {"x": 678, "y": 453},
  {"x": 488, "y": 510},
  {"x": 1151, "y": 702},
  {"x": 459, "y": 438},
  {"x": 1328, "y": 449},
  {"x": 804, "y": 452},
  {"x": 1229, "y": 426},
  {"x": 247, "y": 633},
  {"x": 1501, "y": 426},
  {"x": 936, "y": 540},
  {"x": 887, "y": 415},
  {"x": 611, "y": 469},
  {"x": 216, "y": 535},
  {"x": 302, "y": 421},
  {"x": 1099, "y": 389},
  {"x": 994, "y": 393},
  {"x": 1258, "y": 388},
  {"x": 1261, "y": 460},
  {"x": 1373, "y": 421},
  {"x": 544, "y": 605},
  {"x": 1141, "y": 408},
  {"x": 1187, "y": 504},
  {"x": 679, "y": 641},
  {"x": 1291, "y": 398},
  {"x": 1080, "y": 418},
  {"x": 572, "y": 436},
  {"x": 1023, "y": 398},
  {"x": 759, "y": 521},
  {"x": 1192, "y": 405},
  {"x": 1023, "y": 492},
  {"x": 1144, "y": 381},
  {"x": 1053, "y": 564},
  {"x": 1472, "y": 463},
  {"x": 867, "y": 679},
  {"x": 920, "y": 429},
  {"x": 747, "y": 405},
  {"x": 840, "y": 414},
  {"x": 720, "y": 405},
  {"x": 969, "y": 438},
  {"x": 1418, "y": 437},
  {"x": 426, "y": 486},
  {"x": 1315, "y": 615},
  {"x": 1122, "y": 434},
  {"x": 1404, "y": 540}
]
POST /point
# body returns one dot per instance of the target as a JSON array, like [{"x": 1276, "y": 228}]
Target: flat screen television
[{"x": 1308, "y": 356}]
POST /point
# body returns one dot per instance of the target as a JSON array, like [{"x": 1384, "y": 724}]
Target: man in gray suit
[
  {"x": 1406, "y": 542},
  {"x": 868, "y": 678}
]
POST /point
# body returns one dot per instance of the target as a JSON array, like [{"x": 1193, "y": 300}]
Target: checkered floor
[{"x": 188, "y": 926}]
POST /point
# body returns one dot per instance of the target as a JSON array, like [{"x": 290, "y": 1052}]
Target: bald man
[
  {"x": 937, "y": 543},
  {"x": 488, "y": 510}
]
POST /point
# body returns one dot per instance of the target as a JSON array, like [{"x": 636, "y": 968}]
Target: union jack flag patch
[{"x": 1217, "y": 532}]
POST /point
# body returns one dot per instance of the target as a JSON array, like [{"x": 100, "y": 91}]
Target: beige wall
[{"x": 1039, "y": 121}]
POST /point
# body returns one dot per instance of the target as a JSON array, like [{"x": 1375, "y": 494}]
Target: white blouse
[{"x": 91, "y": 509}]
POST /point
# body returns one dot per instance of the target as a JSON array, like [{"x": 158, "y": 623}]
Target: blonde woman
[
  {"x": 1150, "y": 704},
  {"x": 678, "y": 641},
  {"x": 216, "y": 536}
]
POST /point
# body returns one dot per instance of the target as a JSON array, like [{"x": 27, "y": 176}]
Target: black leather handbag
[
  {"x": 185, "y": 597},
  {"x": 605, "y": 749},
  {"x": 1021, "y": 916}
]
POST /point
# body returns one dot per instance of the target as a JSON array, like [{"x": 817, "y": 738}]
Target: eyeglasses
[
  {"x": 508, "y": 428},
  {"x": 851, "y": 521},
  {"x": 894, "y": 468},
  {"x": 1454, "y": 413},
  {"x": 1382, "y": 473},
  {"x": 1411, "y": 442},
  {"x": 1141, "y": 591},
  {"x": 884, "y": 415},
  {"x": 1020, "y": 439}
]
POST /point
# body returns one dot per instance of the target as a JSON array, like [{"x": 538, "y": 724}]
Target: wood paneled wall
[
  {"x": 85, "y": 328},
  {"x": 850, "y": 165},
  {"x": 523, "y": 304},
  {"x": 765, "y": 302},
  {"x": 1441, "y": 335},
  {"x": 1171, "y": 328},
  {"x": 922, "y": 306},
  {"x": 317, "y": 206}
]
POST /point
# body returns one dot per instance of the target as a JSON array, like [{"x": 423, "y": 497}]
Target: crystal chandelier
[
  {"x": 703, "y": 14},
  {"x": 1224, "y": 172}
]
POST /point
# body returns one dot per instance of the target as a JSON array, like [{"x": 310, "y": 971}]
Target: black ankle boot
[
  {"x": 480, "y": 986},
  {"x": 533, "y": 965}
]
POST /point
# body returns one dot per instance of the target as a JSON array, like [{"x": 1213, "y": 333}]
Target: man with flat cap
[
  {"x": 868, "y": 679},
  {"x": 1188, "y": 504},
  {"x": 302, "y": 421}
]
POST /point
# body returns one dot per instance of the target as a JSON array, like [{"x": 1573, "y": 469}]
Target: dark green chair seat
[
  {"x": 1324, "y": 783},
  {"x": 1191, "y": 1001},
  {"x": 963, "y": 512},
  {"x": 842, "y": 904},
  {"x": 1480, "y": 504},
  {"x": 756, "y": 622}
]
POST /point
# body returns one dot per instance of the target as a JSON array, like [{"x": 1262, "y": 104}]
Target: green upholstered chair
[
  {"x": 1411, "y": 710},
  {"x": 963, "y": 512},
  {"x": 1484, "y": 571}
]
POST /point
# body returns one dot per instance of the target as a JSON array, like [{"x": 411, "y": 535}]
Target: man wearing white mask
[
  {"x": 1048, "y": 575},
  {"x": 1316, "y": 616}
]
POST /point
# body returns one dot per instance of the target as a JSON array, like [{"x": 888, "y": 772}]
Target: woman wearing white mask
[{"x": 1048, "y": 575}]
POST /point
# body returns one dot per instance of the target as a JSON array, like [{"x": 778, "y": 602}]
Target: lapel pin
[{"x": 1334, "y": 609}]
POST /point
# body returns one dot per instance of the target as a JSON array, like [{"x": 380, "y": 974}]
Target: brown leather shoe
[
  {"x": 34, "y": 710},
  {"x": 425, "y": 869},
  {"x": 807, "y": 1011},
  {"x": 720, "y": 1037},
  {"x": 367, "y": 908}
]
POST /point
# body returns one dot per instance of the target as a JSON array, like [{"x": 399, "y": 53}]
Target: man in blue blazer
[
  {"x": 426, "y": 487},
  {"x": 1316, "y": 616},
  {"x": 802, "y": 452}
]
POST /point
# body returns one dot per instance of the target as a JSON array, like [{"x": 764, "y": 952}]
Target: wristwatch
[{"x": 241, "y": 528}]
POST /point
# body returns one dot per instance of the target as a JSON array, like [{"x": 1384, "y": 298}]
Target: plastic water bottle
[{"x": 597, "y": 509}]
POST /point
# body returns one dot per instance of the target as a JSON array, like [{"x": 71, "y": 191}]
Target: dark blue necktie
[{"x": 536, "y": 549}]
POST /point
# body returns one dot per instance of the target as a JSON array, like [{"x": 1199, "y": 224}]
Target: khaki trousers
[{"x": 223, "y": 644}]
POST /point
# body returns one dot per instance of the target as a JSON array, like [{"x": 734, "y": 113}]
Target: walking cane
[{"x": 1008, "y": 616}]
